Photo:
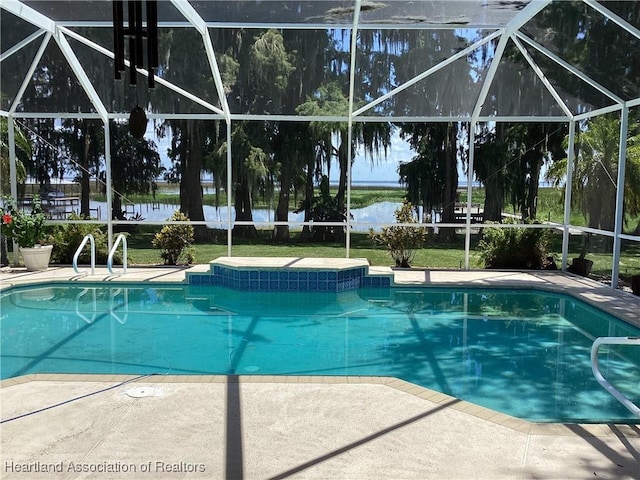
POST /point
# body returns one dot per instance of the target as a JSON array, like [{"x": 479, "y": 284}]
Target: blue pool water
[{"x": 522, "y": 352}]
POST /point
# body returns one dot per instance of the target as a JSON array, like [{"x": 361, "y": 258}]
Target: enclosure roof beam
[
  {"x": 613, "y": 17},
  {"x": 81, "y": 75},
  {"x": 570, "y": 68},
  {"x": 160, "y": 80},
  {"x": 352, "y": 81},
  {"x": 21, "y": 44},
  {"x": 199, "y": 24},
  {"x": 543, "y": 78},
  {"x": 600, "y": 111},
  {"x": 27, "y": 13},
  {"x": 27, "y": 77},
  {"x": 461, "y": 54},
  {"x": 527, "y": 13},
  {"x": 491, "y": 73}
]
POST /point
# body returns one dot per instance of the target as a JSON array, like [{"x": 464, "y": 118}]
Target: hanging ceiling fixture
[{"x": 135, "y": 33}]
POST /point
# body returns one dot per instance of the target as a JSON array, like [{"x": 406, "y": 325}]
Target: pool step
[{"x": 291, "y": 274}]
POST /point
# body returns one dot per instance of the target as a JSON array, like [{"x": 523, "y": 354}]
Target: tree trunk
[
  {"x": 183, "y": 148},
  {"x": 342, "y": 184},
  {"x": 117, "y": 212},
  {"x": 530, "y": 200},
  {"x": 305, "y": 236},
  {"x": 85, "y": 187},
  {"x": 242, "y": 205},
  {"x": 447, "y": 235},
  {"x": 282, "y": 210},
  {"x": 191, "y": 179},
  {"x": 494, "y": 198},
  {"x": 190, "y": 187}
]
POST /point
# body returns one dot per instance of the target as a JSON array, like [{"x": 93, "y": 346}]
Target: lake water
[{"x": 381, "y": 212}]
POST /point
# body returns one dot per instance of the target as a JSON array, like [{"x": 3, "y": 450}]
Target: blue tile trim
[{"x": 290, "y": 280}]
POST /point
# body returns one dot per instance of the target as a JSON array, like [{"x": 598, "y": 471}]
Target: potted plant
[
  {"x": 635, "y": 284},
  {"x": 26, "y": 228},
  {"x": 581, "y": 265}
]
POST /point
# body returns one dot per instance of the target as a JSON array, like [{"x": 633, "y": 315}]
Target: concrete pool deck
[{"x": 213, "y": 427}]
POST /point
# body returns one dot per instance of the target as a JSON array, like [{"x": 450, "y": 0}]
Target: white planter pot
[{"x": 36, "y": 258}]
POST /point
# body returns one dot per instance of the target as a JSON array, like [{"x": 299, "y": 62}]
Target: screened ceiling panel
[
  {"x": 269, "y": 72},
  {"x": 54, "y": 86},
  {"x": 625, "y": 9},
  {"x": 517, "y": 90},
  {"x": 380, "y": 69},
  {"x": 16, "y": 63},
  {"x": 303, "y": 65},
  {"x": 312, "y": 12},
  {"x": 588, "y": 40},
  {"x": 13, "y": 30},
  {"x": 387, "y": 59},
  {"x": 248, "y": 12},
  {"x": 96, "y": 11},
  {"x": 102, "y": 36},
  {"x": 443, "y": 12},
  {"x": 177, "y": 49},
  {"x": 74, "y": 11},
  {"x": 118, "y": 96},
  {"x": 239, "y": 12},
  {"x": 451, "y": 91},
  {"x": 577, "y": 94}
]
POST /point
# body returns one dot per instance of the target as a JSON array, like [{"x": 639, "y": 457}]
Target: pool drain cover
[{"x": 139, "y": 392}]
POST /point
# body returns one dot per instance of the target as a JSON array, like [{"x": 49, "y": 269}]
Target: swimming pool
[{"x": 521, "y": 352}]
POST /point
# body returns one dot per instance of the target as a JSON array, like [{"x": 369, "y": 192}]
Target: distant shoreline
[{"x": 207, "y": 183}]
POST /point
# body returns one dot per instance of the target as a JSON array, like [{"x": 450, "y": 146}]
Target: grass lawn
[{"x": 433, "y": 255}]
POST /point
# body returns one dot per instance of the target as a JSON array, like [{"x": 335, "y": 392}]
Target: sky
[{"x": 383, "y": 170}]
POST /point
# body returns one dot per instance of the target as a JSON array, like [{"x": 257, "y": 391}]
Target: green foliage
[
  {"x": 135, "y": 164},
  {"x": 595, "y": 169},
  {"x": 67, "y": 238},
  {"x": 175, "y": 241},
  {"x": 325, "y": 209},
  {"x": 26, "y": 228},
  {"x": 401, "y": 241},
  {"x": 270, "y": 64},
  {"x": 514, "y": 247},
  {"x": 22, "y": 150}
]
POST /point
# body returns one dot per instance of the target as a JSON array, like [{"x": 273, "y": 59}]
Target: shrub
[
  {"x": 67, "y": 238},
  {"x": 514, "y": 247},
  {"x": 176, "y": 241},
  {"x": 401, "y": 242},
  {"x": 324, "y": 208}
]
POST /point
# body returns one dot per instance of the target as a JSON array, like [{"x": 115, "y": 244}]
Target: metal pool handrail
[
  {"x": 123, "y": 239},
  {"x": 87, "y": 237},
  {"x": 632, "y": 407}
]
